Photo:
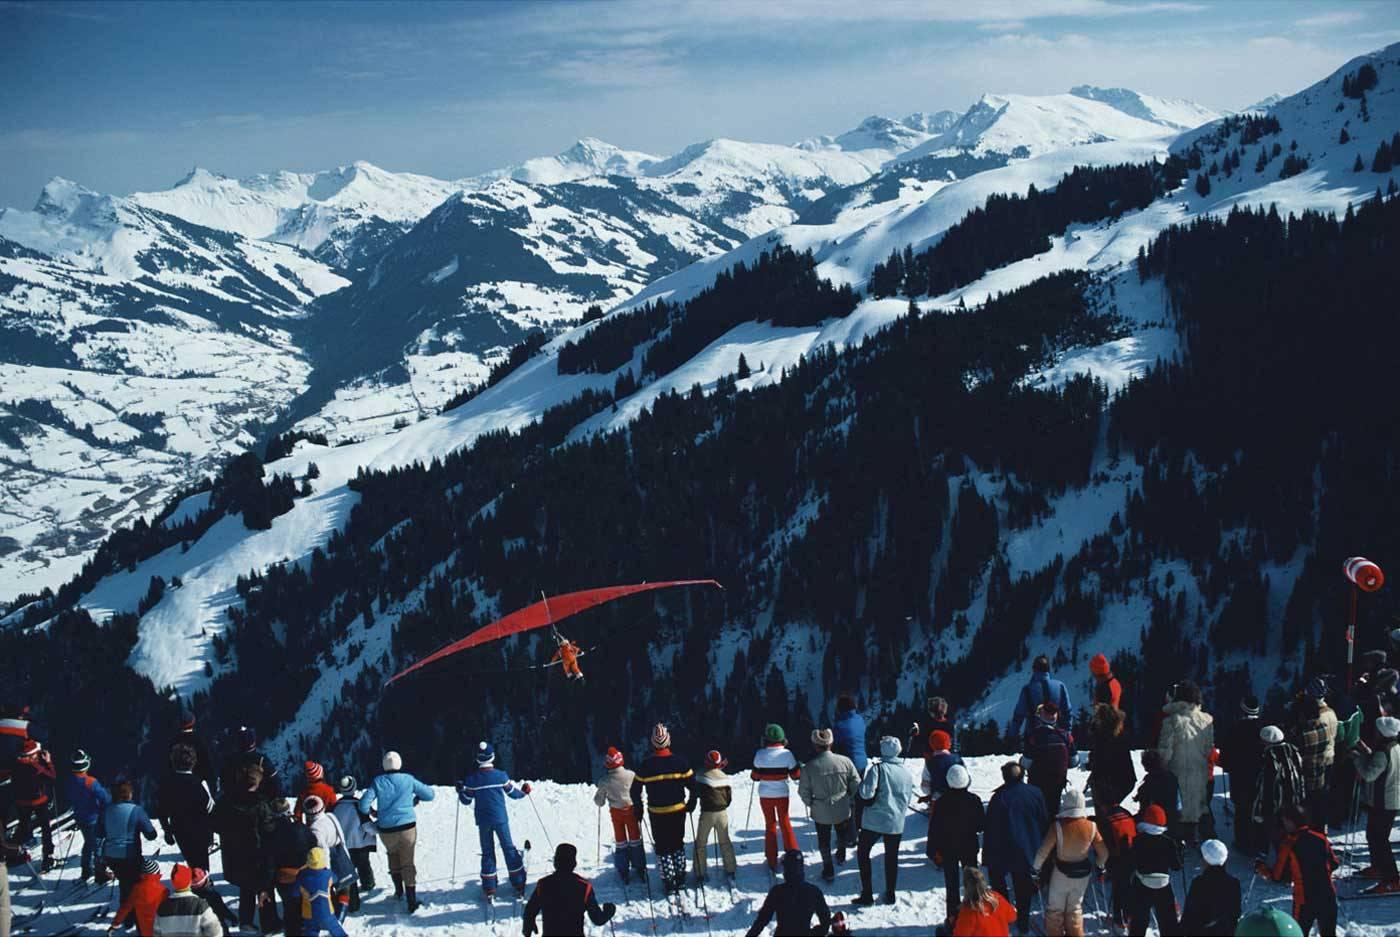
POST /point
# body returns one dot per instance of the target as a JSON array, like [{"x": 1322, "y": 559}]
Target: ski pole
[
  {"x": 531, "y": 799},
  {"x": 600, "y": 836},
  {"x": 704, "y": 891},
  {"x": 748, "y": 815},
  {"x": 456, "y": 829}
]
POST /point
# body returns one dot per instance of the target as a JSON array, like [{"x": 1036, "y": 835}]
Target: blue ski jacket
[
  {"x": 396, "y": 792},
  {"x": 86, "y": 797},
  {"x": 848, "y": 733},
  {"x": 1040, "y": 688},
  {"x": 1016, "y": 822},
  {"x": 485, "y": 790},
  {"x": 124, "y": 824}
]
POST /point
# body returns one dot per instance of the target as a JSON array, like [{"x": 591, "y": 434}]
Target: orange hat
[
  {"x": 314, "y": 772},
  {"x": 1098, "y": 665},
  {"x": 181, "y": 877},
  {"x": 940, "y": 741}
]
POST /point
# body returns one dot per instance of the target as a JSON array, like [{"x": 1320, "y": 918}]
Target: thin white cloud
[
  {"x": 617, "y": 68},
  {"x": 1330, "y": 20}
]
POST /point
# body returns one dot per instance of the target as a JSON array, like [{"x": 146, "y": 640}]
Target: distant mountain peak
[{"x": 1172, "y": 112}]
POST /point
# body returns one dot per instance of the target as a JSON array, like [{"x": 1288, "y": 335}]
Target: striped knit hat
[
  {"x": 150, "y": 867},
  {"x": 714, "y": 759},
  {"x": 660, "y": 737},
  {"x": 613, "y": 759},
  {"x": 313, "y": 805},
  {"x": 314, "y": 772},
  {"x": 198, "y": 878}
]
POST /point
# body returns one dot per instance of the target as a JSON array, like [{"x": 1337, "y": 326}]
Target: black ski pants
[
  {"x": 824, "y": 831},
  {"x": 1322, "y": 912},
  {"x": 1378, "y": 842},
  {"x": 360, "y": 856},
  {"x": 867, "y": 841},
  {"x": 1023, "y": 893},
  {"x": 1149, "y": 901}
]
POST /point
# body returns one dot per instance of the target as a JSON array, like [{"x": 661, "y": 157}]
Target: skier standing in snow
[
  {"x": 1119, "y": 830},
  {"x": 183, "y": 803},
  {"x": 1159, "y": 786},
  {"x": 1111, "y": 773},
  {"x": 1041, "y": 688},
  {"x": 848, "y": 739},
  {"x": 244, "y": 819},
  {"x": 1016, "y": 821},
  {"x": 564, "y": 897},
  {"x": 1213, "y": 904},
  {"x": 248, "y": 754},
  {"x": 1280, "y": 787},
  {"x": 983, "y": 911},
  {"x": 1305, "y": 857},
  {"x": 1186, "y": 743},
  {"x": 1155, "y": 856},
  {"x": 88, "y": 799},
  {"x": 1107, "y": 689},
  {"x": 485, "y": 790},
  {"x": 315, "y": 786},
  {"x": 33, "y": 782},
  {"x": 359, "y": 833},
  {"x": 141, "y": 902},
  {"x": 773, "y": 765},
  {"x": 939, "y": 759},
  {"x": 1381, "y": 769},
  {"x": 397, "y": 792},
  {"x": 714, "y": 794},
  {"x": 330, "y": 837},
  {"x": 828, "y": 786},
  {"x": 203, "y": 762},
  {"x": 124, "y": 824},
  {"x": 794, "y": 902},
  {"x": 664, "y": 786},
  {"x": 315, "y": 907},
  {"x": 1310, "y": 736},
  {"x": 887, "y": 790},
  {"x": 614, "y": 789},
  {"x": 1049, "y": 753},
  {"x": 1079, "y": 853},
  {"x": 288, "y": 846},
  {"x": 954, "y": 820},
  {"x": 1240, "y": 756},
  {"x": 182, "y": 913}
]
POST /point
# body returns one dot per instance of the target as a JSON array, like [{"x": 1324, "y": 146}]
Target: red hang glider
[{"x": 545, "y": 613}]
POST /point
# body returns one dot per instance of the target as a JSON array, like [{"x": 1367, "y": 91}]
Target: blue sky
[{"x": 122, "y": 97}]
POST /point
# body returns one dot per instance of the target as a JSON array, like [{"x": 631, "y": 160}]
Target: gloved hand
[
  {"x": 169, "y": 838},
  {"x": 525, "y": 787},
  {"x": 609, "y": 909}
]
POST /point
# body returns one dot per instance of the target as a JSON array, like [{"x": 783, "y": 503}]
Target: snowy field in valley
[{"x": 567, "y": 812}]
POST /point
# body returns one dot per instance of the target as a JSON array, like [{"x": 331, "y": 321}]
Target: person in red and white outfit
[{"x": 773, "y": 766}]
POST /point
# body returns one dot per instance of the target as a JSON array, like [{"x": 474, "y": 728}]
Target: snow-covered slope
[
  {"x": 448, "y": 883},
  {"x": 885, "y": 137},
  {"x": 588, "y": 157},
  {"x": 136, "y": 350},
  {"x": 342, "y": 216},
  {"x": 1021, "y": 125},
  {"x": 1172, "y": 112}
]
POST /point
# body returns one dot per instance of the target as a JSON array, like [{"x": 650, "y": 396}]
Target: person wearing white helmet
[
  {"x": 955, "y": 818},
  {"x": 1213, "y": 903},
  {"x": 397, "y": 792}
]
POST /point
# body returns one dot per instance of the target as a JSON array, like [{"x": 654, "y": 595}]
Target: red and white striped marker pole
[{"x": 1365, "y": 576}]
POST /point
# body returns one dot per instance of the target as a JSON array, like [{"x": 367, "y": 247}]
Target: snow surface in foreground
[{"x": 569, "y": 814}]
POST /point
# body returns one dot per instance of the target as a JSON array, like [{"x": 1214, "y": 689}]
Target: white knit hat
[
  {"x": 1271, "y": 735},
  {"x": 957, "y": 777},
  {"x": 1214, "y": 852},
  {"x": 392, "y": 761},
  {"x": 1072, "y": 804},
  {"x": 1388, "y": 727}
]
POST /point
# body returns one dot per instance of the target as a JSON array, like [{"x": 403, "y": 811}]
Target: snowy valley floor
[{"x": 568, "y": 813}]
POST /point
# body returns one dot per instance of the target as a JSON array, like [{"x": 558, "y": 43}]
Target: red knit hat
[
  {"x": 1098, "y": 665},
  {"x": 940, "y": 741},
  {"x": 181, "y": 877},
  {"x": 314, "y": 772},
  {"x": 29, "y": 747},
  {"x": 1154, "y": 815},
  {"x": 714, "y": 759},
  {"x": 198, "y": 878},
  {"x": 613, "y": 759}
]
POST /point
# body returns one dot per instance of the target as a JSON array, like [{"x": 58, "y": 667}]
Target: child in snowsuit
[
  {"x": 713, "y": 794},
  {"x": 615, "y": 790},
  {"x": 142, "y": 901},
  {"x": 317, "y": 904},
  {"x": 486, "y": 790},
  {"x": 88, "y": 799},
  {"x": 1155, "y": 856},
  {"x": 330, "y": 837},
  {"x": 182, "y": 913},
  {"x": 773, "y": 765},
  {"x": 1213, "y": 904},
  {"x": 315, "y": 786},
  {"x": 1118, "y": 829},
  {"x": 1079, "y": 853},
  {"x": 359, "y": 836},
  {"x": 1306, "y": 857}
]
